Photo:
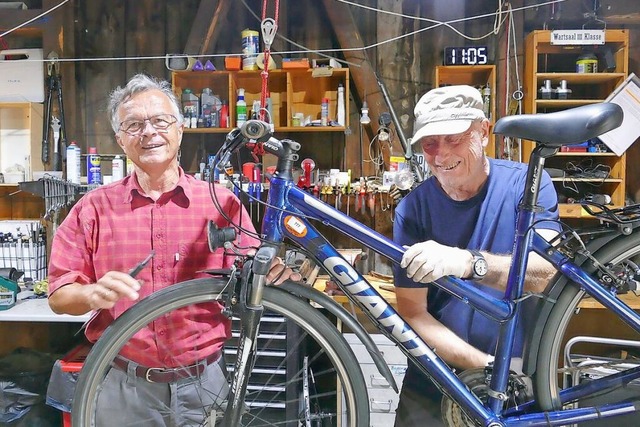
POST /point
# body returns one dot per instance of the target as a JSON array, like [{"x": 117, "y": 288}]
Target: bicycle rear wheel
[
  {"x": 589, "y": 358},
  {"x": 305, "y": 373}
]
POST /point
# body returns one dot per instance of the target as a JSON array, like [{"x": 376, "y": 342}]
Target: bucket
[{"x": 250, "y": 49}]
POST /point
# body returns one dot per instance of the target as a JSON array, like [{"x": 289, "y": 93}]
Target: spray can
[
  {"x": 241, "y": 109},
  {"x": 250, "y": 48},
  {"x": 224, "y": 115},
  {"x": 117, "y": 168},
  {"x": 486, "y": 101},
  {"x": 324, "y": 112},
  {"x": 73, "y": 163},
  {"x": 94, "y": 175}
]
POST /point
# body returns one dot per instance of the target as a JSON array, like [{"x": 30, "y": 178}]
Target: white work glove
[{"x": 429, "y": 261}]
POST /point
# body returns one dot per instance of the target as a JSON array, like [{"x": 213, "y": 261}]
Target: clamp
[{"x": 54, "y": 85}]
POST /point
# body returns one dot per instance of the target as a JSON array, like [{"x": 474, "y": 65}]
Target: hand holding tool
[
  {"x": 141, "y": 265},
  {"x": 133, "y": 273}
]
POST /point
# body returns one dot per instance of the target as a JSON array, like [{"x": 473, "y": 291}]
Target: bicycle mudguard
[
  {"x": 550, "y": 296},
  {"x": 341, "y": 313}
]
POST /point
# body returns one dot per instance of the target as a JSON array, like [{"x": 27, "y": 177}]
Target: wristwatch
[{"x": 479, "y": 266}]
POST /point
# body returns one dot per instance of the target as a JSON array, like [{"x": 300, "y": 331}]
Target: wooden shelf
[
  {"x": 291, "y": 91},
  {"x": 277, "y": 129},
  {"x": 556, "y": 63}
]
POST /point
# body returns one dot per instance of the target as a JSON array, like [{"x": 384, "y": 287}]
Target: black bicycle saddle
[{"x": 571, "y": 126}]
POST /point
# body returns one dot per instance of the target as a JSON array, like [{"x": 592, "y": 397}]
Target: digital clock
[{"x": 468, "y": 55}]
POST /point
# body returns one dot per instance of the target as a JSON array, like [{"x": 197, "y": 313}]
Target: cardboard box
[{"x": 21, "y": 75}]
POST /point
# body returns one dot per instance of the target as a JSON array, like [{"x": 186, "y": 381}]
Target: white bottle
[
  {"x": 341, "y": 113},
  {"x": 241, "y": 109},
  {"x": 73, "y": 163},
  {"x": 117, "y": 168}
]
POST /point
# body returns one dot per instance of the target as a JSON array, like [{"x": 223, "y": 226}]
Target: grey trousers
[
  {"x": 127, "y": 400},
  {"x": 416, "y": 410}
]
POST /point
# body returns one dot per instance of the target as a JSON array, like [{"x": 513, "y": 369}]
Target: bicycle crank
[{"x": 477, "y": 380}]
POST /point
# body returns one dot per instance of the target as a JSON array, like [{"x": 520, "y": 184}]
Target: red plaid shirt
[{"x": 116, "y": 226}]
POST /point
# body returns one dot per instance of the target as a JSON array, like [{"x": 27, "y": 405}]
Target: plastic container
[
  {"x": 13, "y": 177},
  {"x": 190, "y": 107},
  {"x": 73, "y": 163},
  {"x": 72, "y": 363},
  {"x": 208, "y": 101},
  {"x": 117, "y": 168},
  {"x": 94, "y": 175},
  {"x": 224, "y": 115},
  {"x": 8, "y": 293},
  {"x": 587, "y": 63},
  {"x": 250, "y": 49}
]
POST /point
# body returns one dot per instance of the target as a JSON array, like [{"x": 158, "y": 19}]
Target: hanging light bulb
[{"x": 364, "y": 118}]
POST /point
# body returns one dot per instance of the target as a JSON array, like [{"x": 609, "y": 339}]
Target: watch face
[{"x": 480, "y": 267}]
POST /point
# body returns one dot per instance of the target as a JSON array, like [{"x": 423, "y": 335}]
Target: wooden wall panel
[{"x": 118, "y": 28}]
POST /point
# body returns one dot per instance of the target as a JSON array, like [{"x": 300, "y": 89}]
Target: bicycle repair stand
[{"x": 54, "y": 84}]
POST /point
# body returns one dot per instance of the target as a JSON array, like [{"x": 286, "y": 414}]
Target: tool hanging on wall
[{"x": 54, "y": 87}]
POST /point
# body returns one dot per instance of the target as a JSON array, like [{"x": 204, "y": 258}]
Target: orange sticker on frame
[{"x": 295, "y": 226}]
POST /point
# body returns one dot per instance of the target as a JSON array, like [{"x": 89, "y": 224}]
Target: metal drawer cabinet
[{"x": 383, "y": 400}]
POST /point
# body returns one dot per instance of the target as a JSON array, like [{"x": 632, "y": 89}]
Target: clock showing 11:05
[{"x": 468, "y": 55}]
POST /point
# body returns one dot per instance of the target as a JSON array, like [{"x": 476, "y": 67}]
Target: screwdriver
[{"x": 133, "y": 273}]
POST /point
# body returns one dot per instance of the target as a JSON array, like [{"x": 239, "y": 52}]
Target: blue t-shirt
[{"x": 485, "y": 222}]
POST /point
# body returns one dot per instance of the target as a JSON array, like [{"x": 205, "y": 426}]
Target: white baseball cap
[{"x": 447, "y": 110}]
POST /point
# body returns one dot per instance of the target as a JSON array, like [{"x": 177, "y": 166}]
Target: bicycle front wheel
[
  {"x": 305, "y": 373},
  {"x": 588, "y": 357}
]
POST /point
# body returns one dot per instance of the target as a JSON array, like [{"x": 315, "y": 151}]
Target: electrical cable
[{"x": 322, "y": 52}]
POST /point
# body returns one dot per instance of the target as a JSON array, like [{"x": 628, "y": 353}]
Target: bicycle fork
[{"x": 251, "y": 310}]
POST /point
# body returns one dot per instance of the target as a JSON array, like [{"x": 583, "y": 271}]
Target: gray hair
[{"x": 140, "y": 83}]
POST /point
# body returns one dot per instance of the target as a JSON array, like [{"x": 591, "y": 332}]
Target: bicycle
[{"x": 324, "y": 384}]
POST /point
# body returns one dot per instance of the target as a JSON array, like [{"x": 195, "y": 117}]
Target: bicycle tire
[
  {"x": 561, "y": 325},
  {"x": 314, "y": 326}
]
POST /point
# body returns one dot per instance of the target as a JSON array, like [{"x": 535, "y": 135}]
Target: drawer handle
[
  {"x": 382, "y": 405},
  {"x": 378, "y": 381}
]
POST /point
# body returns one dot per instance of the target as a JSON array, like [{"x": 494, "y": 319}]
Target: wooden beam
[
  {"x": 362, "y": 76},
  {"x": 205, "y": 28}
]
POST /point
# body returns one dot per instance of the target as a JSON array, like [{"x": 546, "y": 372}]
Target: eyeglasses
[{"x": 161, "y": 122}]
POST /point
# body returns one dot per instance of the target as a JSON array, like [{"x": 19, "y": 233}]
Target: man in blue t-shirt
[{"x": 463, "y": 216}]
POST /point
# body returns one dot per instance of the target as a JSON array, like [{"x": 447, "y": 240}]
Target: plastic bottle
[
  {"x": 117, "y": 168},
  {"x": 94, "y": 176},
  {"x": 190, "y": 104},
  {"x": 324, "y": 112},
  {"x": 207, "y": 100},
  {"x": 241, "y": 109},
  {"x": 73, "y": 163},
  {"x": 224, "y": 115},
  {"x": 341, "y": 112}
]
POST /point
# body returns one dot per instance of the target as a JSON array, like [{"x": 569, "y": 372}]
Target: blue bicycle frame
[{"x": 286, "y": 216}]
